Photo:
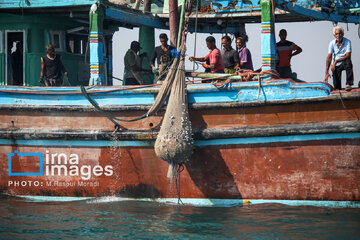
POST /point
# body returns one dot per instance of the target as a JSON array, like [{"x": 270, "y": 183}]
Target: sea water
[{"x": 113, "y": 218}]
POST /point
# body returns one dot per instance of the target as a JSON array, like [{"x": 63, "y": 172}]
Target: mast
[
  {"x": 173, "y": 21},
  {"x": 181, "y": 25}
]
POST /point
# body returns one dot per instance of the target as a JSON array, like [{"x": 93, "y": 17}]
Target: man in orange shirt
[
  {"x": 286, "y": 50},
  {"x": 216, "y": 62}
]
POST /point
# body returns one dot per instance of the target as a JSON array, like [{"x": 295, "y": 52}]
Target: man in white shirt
[{"x": 339, "y": 55}]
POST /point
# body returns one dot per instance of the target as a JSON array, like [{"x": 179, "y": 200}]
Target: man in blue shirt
[{"x": 340, "y": 55}]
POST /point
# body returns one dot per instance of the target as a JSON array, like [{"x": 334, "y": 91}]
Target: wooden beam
[
  {"x": 199, "y": 134},
  {"x": 44, "y": 3},
  {"x": 136, "y": 18},
  {"x": 317, "y": 15}
]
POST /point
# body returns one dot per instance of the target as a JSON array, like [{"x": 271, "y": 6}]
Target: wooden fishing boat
[{"x": 272, "y": 140}]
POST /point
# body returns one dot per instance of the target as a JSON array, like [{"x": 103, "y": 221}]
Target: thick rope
[
  {"x": 221, "y": 85},
  {"x": 112, "y": 118},
  {"x": 287, "y": 8},
  {"x": 247, "y": 75}
]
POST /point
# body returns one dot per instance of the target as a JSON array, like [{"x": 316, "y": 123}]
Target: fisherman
[
  {"x": 229, "y": 56},
  {"x": 216, "y": 62},
  {"x": 51, "y": 67},
  {"x": 162, "y": 54},
  {"x": 132, "y": 62},
  {"x": 286, "y": 50},
  {"x": 339, "y": 54},
  {"x": 244, "y": 54}
]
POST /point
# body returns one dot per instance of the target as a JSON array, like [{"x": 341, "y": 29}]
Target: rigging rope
[
  {"x": 273, "y": 25},
  {"x": 180, "y": 168},
  {"x": 346, "y": 109},
  {"x": 196, "y": 25}
]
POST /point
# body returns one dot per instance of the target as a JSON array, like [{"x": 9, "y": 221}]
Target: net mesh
[{"x": 174, "y": 143}]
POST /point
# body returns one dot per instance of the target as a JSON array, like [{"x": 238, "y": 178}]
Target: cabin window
[
  {"x": 76, "y": 43},
  {"x": 57, "y": 40}
]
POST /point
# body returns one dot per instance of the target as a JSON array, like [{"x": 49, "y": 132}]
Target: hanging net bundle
[{"x": 174, "y": 142}]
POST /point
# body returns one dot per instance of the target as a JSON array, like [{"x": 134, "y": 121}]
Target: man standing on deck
[
  {"x": 162, "y": 54},
  {"x": 229, "y": 56},
  {"x": 51, "y": 67},
  {"x": 286, "y": 50},
  {"x": 340, "y": 55},
  {"x": 216, "y": 62},
  {"x": 132, "y": 62},
  {"x": 244, "y": 54}
]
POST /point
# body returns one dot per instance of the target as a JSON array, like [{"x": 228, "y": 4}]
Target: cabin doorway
[{"x": 14, "y": 49}]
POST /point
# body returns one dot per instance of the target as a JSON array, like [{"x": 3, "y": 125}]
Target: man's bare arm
[
  {"x": 42, "y": 71},
  {"x": 347, "y": 56},
  {"x": 296, "y": 51}
]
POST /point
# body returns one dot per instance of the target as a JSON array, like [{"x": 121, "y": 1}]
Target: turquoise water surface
[{"x": 113, "y": 219}]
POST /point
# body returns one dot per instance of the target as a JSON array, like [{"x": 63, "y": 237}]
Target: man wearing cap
[{"x": 132, "y": 62}]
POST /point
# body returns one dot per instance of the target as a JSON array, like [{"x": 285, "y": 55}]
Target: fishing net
[
  {"x": 174, "y": 143},
  {"x": 165, "y": 89}
]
